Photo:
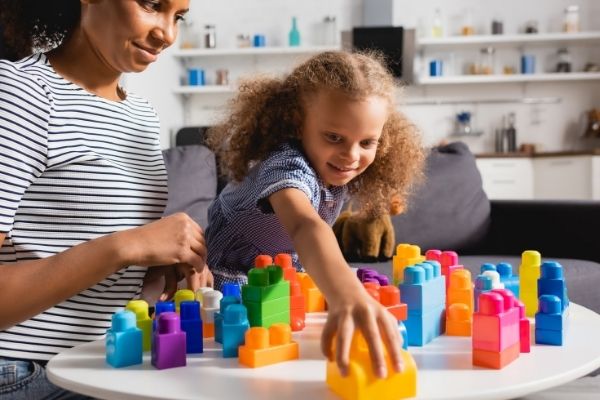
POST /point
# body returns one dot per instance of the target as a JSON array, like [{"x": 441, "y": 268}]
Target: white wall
[{"x": 551, "y": 127}]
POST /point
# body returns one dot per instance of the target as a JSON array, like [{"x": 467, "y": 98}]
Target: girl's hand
[
  {"x": 361, "y": 311},
  {"x": 176, "y": 239}
]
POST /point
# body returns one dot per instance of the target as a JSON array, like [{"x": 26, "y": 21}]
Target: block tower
[
  {"x": 460, "y": 304},
  {"x": 267, "y": 296},
  {"x": 529, "y": 273}
]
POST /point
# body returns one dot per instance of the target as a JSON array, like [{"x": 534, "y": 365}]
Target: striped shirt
[
  {"x": 241, "y": 222},
  {"x": 73, "y": 167}
]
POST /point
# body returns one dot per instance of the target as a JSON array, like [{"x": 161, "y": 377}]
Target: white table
[{"x": 444, "y": 370}]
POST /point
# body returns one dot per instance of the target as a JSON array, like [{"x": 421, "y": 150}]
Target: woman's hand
[
  {"x": 176, "y": 239},
  {"x": 361, "y": 311},
  {"x": 161, "y": 283}
]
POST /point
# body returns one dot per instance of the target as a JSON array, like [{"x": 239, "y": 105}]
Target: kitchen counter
[{"x": 566, "y": 153}]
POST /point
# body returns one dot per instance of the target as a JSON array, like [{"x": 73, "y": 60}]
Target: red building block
[
  {"x": 263, "y": 261},
  {"x": 389, "y": 296},
  {"x": 496, "y": 323},
  {"x": 524, "y": 329}
]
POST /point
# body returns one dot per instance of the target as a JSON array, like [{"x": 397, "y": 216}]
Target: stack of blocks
[
  {"x": 297, "y": 303},
  {"x": 448, "y": 261},
  {"x": 226, "y": 301},
  {"x": 459, "y": 307},
  {"x": 406, "y": 255},
  {"x": 362, "y": 384},
  {"x": 267, "y": 296},
  {"x": 211, "y": 304},
  {"x": 264, "y": 346},
  {"x": 424, "y": 292},
  {"x": 529, "y": 273},
  {"x": 496, "y": 329},
  {"x": 551, "y": 320}
]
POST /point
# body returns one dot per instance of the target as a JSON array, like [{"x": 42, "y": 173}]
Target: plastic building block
[
  {"x": 483, "y": 283},
  {"x": 362, "y": 384},
  {"x": 459, "y": 320},
  {"x": 496, "y": 329},
  {"x": 235, "y": 325},
  {"x": 460, "y": 289},
  {"x": 210, "y": 306},
  {"x": 371, "y": 275},
  {"x": 426, "y": 302},
  {"x": 550, "y": 321},
  {"x": 268, "y": 346},
  {"x": 169, "y": 344},
  {"x": 267, "y": 296},
  {"x": 495, "y": 276},
  {"x": 552, "y": 282},
  {"x": 232, "y": 289},
  {"x": 200, "y": 293},
  {"x": 191, "y": 324},
  {"x": 263, "y": 261},
  {"x": 487, "y": 267},
  {"x": 529, "y": 273},
  {"x": 314, "y": 300},
  {"x": 510, "y": 281},
  {"x": 449, "y": 263},
  {"x": 183, "y": 295},
  {"x": 226, "y": 301},
  {"x": 403, "y": 334},
  {"x": 524, "y": 329},
  {"x": 123, "y": 340},
  {"x": 434, "y": 255},
  {"x": 389, "y": 297},
  {"x": 406, "y": 255},
  {"x": 297, "y": 306},
  {"x": 159, "y": 308},
  {"x": 259, "y": 311},
  {"x": 284, "y": 261},
  {"x": 143, "y": 321}
]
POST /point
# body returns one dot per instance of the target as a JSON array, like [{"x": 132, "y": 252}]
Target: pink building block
[
  {"x": 496, "y": 323},
  {"x": 524, "y": 329}
]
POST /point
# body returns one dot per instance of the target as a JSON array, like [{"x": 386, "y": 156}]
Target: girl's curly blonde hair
[{"x": 268, "y": 112}]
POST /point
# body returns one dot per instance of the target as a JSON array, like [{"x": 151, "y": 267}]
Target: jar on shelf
[
  {"x": 244, "y": 41},
  {"x": 564, "y": 61},
  {"x": 210, "y": 37},
  {"x": 571, "y": 19},
  {"x": 188, "y": 36},
  {"x": 330, "y": 32},
  {"x": 486, "y": 61}
]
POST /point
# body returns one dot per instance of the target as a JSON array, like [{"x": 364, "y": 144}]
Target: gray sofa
[{"x": 449, "y": 212}]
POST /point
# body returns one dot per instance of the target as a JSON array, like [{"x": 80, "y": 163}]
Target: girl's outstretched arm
[{"x": 350, "y": 306}]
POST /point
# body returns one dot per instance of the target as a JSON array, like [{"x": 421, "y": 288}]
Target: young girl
[{"x": 294, "y": 149}]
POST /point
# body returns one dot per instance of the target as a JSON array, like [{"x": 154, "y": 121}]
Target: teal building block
[
  {"x": 124, "y": 341},
  {"x": 235, "y": 325}
]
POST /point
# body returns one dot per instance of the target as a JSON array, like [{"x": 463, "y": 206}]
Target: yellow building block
[
  {"x": 362, "y": 384},
  {"x": 183, "y": 295},
  {"x": 529, "y": 273},
  {"x": 143, "y": 321},
  {"x": 314, "y": 300},
  {"x": 406, "y": 255}
]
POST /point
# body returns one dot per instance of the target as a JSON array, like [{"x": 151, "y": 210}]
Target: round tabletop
[{"x": 444, "y": 370}]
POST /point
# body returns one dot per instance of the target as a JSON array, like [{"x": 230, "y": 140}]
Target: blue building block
[
  {"x": 487, "y": 267},
  {"x": 403, "y": 334},
  {"x": 235, "y": 325},
  {"x": 422, "y": 328},
  {"x": 161, "y": 307},
  {"x": 510, "y": 281},
  {"x": 124, "y": 340},
  {"x": 552, "y": 282},
  {"x": 226, "y": 301},
  {"x": 550, "y": 321},
  {"x": 232, "y": 289},
  {"x": 547, "y": 336},
  {"x": 420, "y": 293},
  {"x": 191, "y": 324},
  {"x": 483, "y": 283}
]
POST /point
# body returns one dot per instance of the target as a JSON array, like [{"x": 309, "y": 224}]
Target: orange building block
[
  {"x": 496, "y": 359},
  {"x": 265, "y": 347},
  {"x": 459, "y": 320},
  {"x": 263, "y": 261},
  {"x": 389, "y": 296},
  {"x": 208, "y": 330},
  {"x": 362, "y": 384},
  {"x": 297, "y": 307},
  {"x": 314, "y": 300},
  {"x": 460, "y": 289}
]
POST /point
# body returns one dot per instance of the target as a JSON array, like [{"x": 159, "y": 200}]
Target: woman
[{"x": 83, "y": 183}]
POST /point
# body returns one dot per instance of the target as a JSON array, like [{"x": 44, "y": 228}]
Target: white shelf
[
  {"x": 549, "y": 77},
  {"x": 252, "y": 51},
  {"x": 510, "y": 40},
  {"x": 206, "y": 89}
]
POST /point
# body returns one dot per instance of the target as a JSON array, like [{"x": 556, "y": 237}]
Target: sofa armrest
[{"x": 561, "y": 229}]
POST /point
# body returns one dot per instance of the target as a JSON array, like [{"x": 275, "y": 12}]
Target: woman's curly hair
[
  {"x": 268, "y": 112},
  {"x": 28, "y": 25}
]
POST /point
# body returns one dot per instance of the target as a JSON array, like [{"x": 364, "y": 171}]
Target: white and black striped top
[{"x": 73, "y": 167}]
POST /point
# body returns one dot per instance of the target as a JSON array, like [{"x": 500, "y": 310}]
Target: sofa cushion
[
  {"x": 192, "y": 181},
  {"x": 450, "y": 210}
]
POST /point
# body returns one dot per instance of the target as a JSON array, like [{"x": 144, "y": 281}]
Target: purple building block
[{"x": 169, "y": 342}]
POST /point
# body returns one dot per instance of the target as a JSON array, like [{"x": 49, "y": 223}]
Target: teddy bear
[{"x": 366, "y": 238}]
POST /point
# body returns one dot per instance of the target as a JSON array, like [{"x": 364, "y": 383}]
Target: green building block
[
  {"x": 266, "y": 322},
  {"x": 268, "y": 308},
  {"x": 265, "y": 293}
]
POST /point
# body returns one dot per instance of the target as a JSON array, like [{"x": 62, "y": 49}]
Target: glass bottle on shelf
[
  {"x": 330, "y": 37},
  {"x": 468, "y": 28},
  {"x": 188, "y": 36},
  {"x": 437, "y": 29},
  {"x": 294, "y": 35},
  {"x": 210, "y": 37},
  {"x": 571, "y": 21},
  {"x": 486, "y": 63}
]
